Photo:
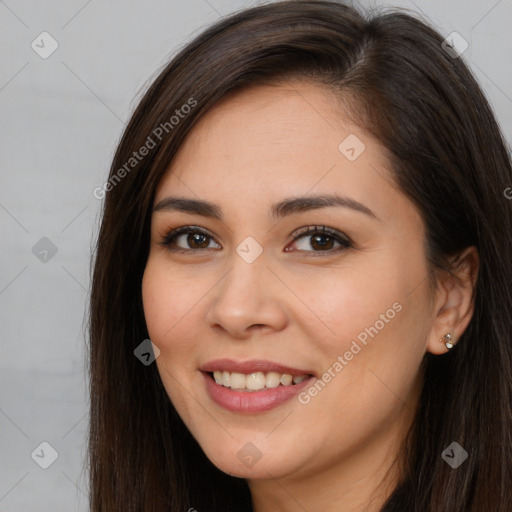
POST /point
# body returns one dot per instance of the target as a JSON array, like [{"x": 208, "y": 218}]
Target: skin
[{"x": 302, "y": 307}]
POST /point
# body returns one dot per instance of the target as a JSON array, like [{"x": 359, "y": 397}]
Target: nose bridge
[
  {"x": 244, "y": 297},
  {"x": 247, "y": 264},
  {"x": 242, "y": 287}
]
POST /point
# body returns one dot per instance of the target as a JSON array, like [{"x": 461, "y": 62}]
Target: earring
[{"x": 447, "y": 340}]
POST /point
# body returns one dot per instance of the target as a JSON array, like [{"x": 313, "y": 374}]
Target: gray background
[{"x": 61, "y": 118}]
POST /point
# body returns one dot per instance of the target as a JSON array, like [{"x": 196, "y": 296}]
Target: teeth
[
  {"x": 272, "y": 380},
  {"x": 286, "y": 379},
  {"x": 238, "y": 381},
  {"x": 255, "y": 381}
]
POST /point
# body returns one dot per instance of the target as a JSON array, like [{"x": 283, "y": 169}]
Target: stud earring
[{"x": 447, "y": 339}]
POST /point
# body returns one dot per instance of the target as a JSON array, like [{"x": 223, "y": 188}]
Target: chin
[
  {"x": 244, "y": 467},
  {"x": 254, "y": 457}
]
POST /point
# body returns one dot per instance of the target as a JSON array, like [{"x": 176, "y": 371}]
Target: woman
[{"x": 306, "y": 217}]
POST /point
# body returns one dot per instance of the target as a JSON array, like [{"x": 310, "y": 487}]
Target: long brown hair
[{"x": 448, "y": 156}]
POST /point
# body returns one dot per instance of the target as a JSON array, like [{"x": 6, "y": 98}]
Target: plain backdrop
[{"x": 61, "y": 117}]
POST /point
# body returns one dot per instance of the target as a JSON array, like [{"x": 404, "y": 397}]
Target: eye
[
  {"x": 193, "y": 238},
  {"x": 323, "y": 240}
]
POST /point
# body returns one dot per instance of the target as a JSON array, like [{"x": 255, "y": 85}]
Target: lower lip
[{"x": 252, "y": 401}]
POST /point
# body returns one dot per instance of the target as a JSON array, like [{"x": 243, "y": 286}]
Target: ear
[{"x": 454, "y": 300}]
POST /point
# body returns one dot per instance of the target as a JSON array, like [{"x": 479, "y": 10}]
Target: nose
[{"x": 247, "y": 299}]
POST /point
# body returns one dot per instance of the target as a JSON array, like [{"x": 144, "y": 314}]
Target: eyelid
[
  {"x": 169, "y": 236},
  {"x": 339, "y": 237},
  {"x": 320, "y": 229}
]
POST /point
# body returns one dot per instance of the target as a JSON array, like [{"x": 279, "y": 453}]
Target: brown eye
[
  {"x": 199, "y": 239},
  {"x": 321, "y": 239},
  {"x": 192, "y": 238}
]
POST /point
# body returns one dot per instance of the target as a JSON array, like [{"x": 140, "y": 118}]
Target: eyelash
[{"x": 169, "y": 238}]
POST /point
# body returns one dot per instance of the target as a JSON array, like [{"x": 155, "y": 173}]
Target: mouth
[
  {"x": 255, "y": 381},
  {"x": 252, "y": 386}
]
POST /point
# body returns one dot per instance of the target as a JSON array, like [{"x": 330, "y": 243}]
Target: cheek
[
  {"x": 350, "y": 304},
  {"x": 378, "y": 318},
  {"x": 376, "y": 358},
  {"x": 155, "y": 299},
  {"x": 168, "y": 309},
  {"x": 370, "y": 374},
  {"x": 168, "y": 306}
]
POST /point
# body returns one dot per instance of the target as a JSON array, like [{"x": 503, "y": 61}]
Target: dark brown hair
[{"x": 448, "y": 156}]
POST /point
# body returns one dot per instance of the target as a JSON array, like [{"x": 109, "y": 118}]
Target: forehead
[
  {"x": 286, "y": 120},
  {"x": 267, "y": 142}
]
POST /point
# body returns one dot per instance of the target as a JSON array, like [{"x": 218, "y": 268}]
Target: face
[{"x": 312, "y": 316}]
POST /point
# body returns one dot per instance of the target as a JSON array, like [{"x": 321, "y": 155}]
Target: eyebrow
[{"x": 278, "y": 210}]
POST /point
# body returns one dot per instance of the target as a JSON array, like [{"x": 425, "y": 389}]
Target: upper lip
[{"x": 251, "y": 366}]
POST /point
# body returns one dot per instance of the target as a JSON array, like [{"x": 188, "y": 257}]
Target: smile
[
  {"x": 252, "y": 386},
  {"x": 255, "y": 381}
]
